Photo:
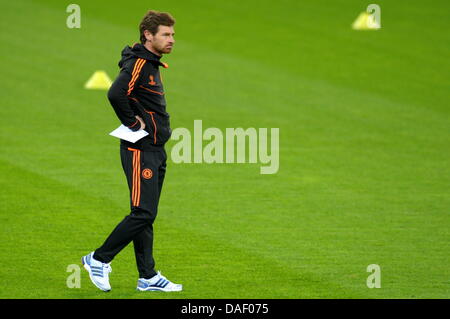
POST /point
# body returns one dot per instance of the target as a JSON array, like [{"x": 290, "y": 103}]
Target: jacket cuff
[{"x": 135, "y": 126}]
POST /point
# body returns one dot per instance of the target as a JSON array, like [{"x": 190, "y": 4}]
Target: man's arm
[{"x": 118, "y": 96}]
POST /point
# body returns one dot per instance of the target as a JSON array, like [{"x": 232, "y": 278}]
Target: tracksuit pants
[{"x": 145, "y": 171}]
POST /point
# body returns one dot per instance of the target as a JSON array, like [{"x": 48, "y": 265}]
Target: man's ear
[{"x": 148, "y": 35}]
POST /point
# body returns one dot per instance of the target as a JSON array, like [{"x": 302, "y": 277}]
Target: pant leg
[
  {"x": 143, "y": 251},
  {"x": 122, "y": 235},
  {"x": 143, "y": 201},
  {"x": 153, "y": 162}
]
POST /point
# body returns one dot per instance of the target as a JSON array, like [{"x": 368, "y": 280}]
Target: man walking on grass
[{"x": 137, "y": 97}]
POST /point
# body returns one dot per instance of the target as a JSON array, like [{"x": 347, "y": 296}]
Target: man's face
[{"x": 162, "y": 42}]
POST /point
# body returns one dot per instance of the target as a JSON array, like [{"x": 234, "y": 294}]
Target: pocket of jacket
[
  {"x": 152, "y": 126},
  {"x": 160, "y": 125}
]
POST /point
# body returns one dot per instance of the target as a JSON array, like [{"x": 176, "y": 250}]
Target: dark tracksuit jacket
[{"x": 138, "y": 90}]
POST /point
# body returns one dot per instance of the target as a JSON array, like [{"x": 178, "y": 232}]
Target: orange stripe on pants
[
  {"x": 136, "y": 189},
  {"x": 138, "y": 178}
]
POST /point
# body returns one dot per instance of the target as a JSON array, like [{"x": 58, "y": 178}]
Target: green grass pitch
[{"x": 364, "y": 149}]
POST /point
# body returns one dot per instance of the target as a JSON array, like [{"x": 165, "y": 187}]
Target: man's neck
[{"x": 149, "y": 47}]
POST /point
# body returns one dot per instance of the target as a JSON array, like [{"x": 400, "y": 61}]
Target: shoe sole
[
  {"x": 158, "y": 289},
  {"x": 88, "y": 269}
]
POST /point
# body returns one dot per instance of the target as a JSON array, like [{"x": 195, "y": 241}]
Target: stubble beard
[{"x": 164, "y": 50}]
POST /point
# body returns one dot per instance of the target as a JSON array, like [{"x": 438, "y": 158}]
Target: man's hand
[{"x": 140, "y": 121}]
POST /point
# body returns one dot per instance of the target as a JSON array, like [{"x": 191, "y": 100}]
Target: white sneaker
[
  {"x": 98, "y": 271},
  {"x": 158, "y": 283}
]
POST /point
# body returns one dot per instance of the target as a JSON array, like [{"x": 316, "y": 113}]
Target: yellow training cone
[
  {"x": 99, "y": 80},
  {"x": 365, "y": 21}
]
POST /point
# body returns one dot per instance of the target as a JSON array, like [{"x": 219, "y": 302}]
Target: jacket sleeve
[{"x": 118, "y": 96}]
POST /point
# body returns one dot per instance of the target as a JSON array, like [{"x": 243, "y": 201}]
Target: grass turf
[{"x": 364, "y": 150}]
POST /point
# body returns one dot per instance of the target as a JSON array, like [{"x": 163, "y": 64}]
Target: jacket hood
[{"x": 138, "y": 50}]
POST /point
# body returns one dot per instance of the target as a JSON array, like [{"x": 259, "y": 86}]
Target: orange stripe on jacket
[
  {"x": 135, "y": 68},
  {"x": 160, "y": 93},
  {"x": 135, "y": 74}
]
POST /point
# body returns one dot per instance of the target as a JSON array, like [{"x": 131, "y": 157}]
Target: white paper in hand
[{"x": 126, "y": 134}]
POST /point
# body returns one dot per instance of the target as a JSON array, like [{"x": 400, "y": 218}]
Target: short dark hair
[{"x": 152, "y": 20}]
